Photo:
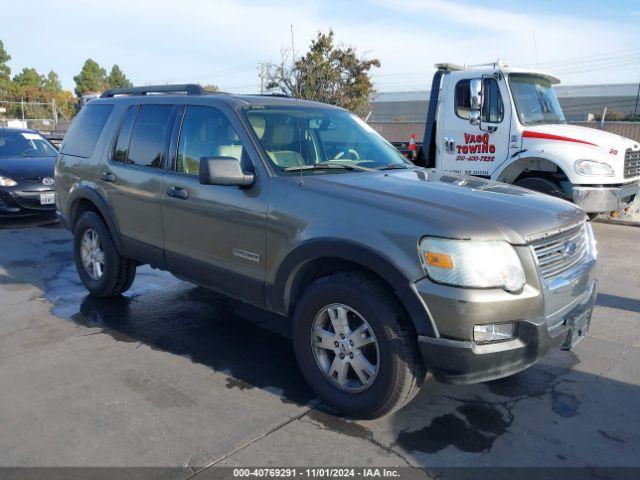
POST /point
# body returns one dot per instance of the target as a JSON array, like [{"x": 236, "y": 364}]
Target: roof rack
[
  {"x": 270, "y": 95},
  {"x": 188, "y": 89},
  {"x": 450, "y": 67}
]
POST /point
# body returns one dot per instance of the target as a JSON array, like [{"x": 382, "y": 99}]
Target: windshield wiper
[
  {"x": 394, "y": 166},
  {"x": 329, "y": 166}
]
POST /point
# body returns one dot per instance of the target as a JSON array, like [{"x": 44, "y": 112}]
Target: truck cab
[{"x": 506, "y": 124}]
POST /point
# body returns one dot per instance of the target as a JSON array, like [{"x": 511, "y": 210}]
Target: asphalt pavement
[{"x": 173, "y": 375}]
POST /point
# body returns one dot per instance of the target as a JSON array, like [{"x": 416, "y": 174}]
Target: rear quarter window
[{"x": 81, "y": 139}]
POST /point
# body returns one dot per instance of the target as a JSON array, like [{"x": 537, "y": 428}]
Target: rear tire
[
  {"x": 103, "y": 271},
  {"x": 394, "y": 370}
]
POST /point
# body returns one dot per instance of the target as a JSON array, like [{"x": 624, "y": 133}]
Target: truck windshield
[
  {"x": 535, "y": 99},
  {"x": 301, "y": 138}
]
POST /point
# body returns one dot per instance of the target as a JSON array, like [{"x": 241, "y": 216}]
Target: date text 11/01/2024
[{"x": 320, "y": 472}]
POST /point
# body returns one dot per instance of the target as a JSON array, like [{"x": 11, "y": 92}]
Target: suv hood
[
  {"x": 584, "y": 136},
  {"x": 456, "y": 206},
  {"x": 27, "y": 167}
]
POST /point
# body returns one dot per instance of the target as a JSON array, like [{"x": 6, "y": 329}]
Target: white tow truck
[{"x": 506, "y": 124}]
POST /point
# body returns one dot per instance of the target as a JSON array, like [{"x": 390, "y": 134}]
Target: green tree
[
  {"x": 92, "y": 78},
  {"x": 5, "y": 71},
  {"x": 29, "y": 78},
  {"x": 52, "y": 82},
  {"x": 117, "y": 78},
  {"x": 210, "y": 87},
  {"x": 327, "y": 73}
]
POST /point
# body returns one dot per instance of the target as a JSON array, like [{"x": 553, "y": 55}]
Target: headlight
[
  {"x": 593, "y": 168},
  {"x": 465, "y": 263},
  {"x": 7, "y": 182}
]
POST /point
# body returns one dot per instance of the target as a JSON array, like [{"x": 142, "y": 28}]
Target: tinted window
[
  {"x": 149, "y": 136},
  {"x": 85, "y": 130},
  {"x": 205, "y": 132},
  {"x": 492, "y": 106},
  {"x": 124, "y": 135}
]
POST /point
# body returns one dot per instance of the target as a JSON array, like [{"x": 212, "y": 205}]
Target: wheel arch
[
  {"x": 532, "y": 163},
  {"x": 83, "y": 199},
  {"x": 319, "y": 258}
]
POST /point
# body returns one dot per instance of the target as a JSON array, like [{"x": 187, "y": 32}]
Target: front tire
[
  {"x": 355, "y": 346},
  {"x": 103, "y": 271}
]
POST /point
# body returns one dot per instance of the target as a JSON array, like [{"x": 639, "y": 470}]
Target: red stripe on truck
[{"x": 549, "y": 136}]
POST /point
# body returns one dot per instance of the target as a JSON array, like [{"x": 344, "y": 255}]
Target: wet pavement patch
[
  {"x": 564, "y": 404},
  {"x": 177, "y": 317},
  {"x": 474, "y": 428}
]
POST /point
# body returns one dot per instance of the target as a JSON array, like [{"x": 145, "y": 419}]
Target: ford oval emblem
[
  {"x": 569, "y": 248},
  {"x": 47, "y": 181}
]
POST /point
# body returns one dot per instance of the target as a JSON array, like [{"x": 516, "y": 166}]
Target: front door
[
  {"x": 214, "y": 235},
  {"x": 475, "y": 149}
]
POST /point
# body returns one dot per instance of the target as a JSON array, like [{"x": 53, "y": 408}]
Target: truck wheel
[
  {"x": 541, "y": 185},
  {"x": 103, "y": 271},
  {"x": 355, "y": 347}
]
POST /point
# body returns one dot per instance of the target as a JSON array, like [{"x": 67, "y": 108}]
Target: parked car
[
  {"x": 386, "y": 270},
  {"x": 505, "y": 123},
  {"x": 27, "y": 162}
]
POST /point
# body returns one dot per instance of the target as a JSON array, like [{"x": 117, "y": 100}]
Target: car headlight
[
  {"x": 7, "y": 182},
  {"x": 593, "y": 168},
  {"x": 475, "y": 264}
]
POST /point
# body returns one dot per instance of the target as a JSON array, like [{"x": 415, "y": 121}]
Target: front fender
[{"x": 280, "y": 292}]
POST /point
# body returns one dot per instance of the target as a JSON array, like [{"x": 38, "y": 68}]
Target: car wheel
[
  {"x": 355, "y": 346},
  {"x": 103, "y": 271}
]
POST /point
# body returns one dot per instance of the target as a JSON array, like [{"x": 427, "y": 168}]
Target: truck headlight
[
  {"x": 7, "y": 182},
  {"x": 474, "y": 264},
  {"x": 592, "y": 168}
]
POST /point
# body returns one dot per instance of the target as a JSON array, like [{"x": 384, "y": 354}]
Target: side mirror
[
  {"x": 475, "y": 91},
  {"x": 223, "y": 171}
]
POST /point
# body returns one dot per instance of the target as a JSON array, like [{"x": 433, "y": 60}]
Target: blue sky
[{"x": 222, "y": 41}]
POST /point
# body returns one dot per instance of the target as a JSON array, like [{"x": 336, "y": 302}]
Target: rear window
[{"x": 85, "y": 130}]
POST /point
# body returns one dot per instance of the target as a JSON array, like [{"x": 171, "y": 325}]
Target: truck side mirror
[
  {"x": 223, "y": 171},
  {"x": 475, "y": 92}
]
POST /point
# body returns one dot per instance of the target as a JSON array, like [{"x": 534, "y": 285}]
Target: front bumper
[
  {"x": 604, "y": 199},
  {"x": 18, "y": 201},
  {"x": 455, "y": 361}
]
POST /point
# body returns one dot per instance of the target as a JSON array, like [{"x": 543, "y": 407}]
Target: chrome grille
[
  {"x": 560, "y": 252},
  {"x": 631, "y": 163}
]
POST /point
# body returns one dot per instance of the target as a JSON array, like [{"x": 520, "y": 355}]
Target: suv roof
[{"x": 184, "y": 93}]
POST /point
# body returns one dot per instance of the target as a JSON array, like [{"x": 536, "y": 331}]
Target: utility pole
[
  {"x": 262, "y": 75},
  {"x": 604, "y": 114}
]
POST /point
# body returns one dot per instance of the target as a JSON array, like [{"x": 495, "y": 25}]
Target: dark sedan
[{"x": 27, "y": 162}]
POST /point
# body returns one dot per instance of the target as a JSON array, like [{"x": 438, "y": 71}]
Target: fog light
[{"x": 493, "y": 332}]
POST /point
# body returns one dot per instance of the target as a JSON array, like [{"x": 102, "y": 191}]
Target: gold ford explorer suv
[{"x": 384, "y": 270}]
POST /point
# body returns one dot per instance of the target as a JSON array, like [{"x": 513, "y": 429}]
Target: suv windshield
[
  {"x": 535, "y": 99},
  {"x": 25, "y": 144},
  {"x": 307, "y": 136}
]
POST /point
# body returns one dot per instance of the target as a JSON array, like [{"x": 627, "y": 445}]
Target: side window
[
  {"x": 492, "y": 106},
  {"x": 121, "y": 150},
  {"x": 85, "y": 130},
  {"x": 463, "y": 99},
  {"x": 205, "y": 132},
  {"x": 149, "y": 136}
]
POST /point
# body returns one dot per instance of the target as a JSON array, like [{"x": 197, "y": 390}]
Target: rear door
[
  {"x": 467, "y": 148},
  {"x": 214, "y": 234},
  {"x": 133, "y": 179}
]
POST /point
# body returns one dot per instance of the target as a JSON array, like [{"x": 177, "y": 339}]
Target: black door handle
[
  {"x": 178, "y": 192},
  {"x": 108, "y": 177}
]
